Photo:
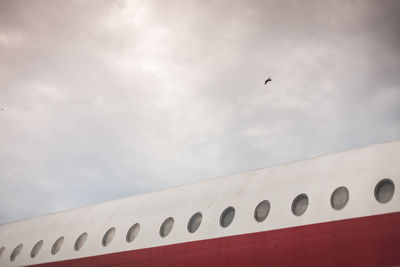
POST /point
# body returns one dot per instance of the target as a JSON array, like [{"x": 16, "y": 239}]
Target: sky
[{"x": 101, "y": 100}]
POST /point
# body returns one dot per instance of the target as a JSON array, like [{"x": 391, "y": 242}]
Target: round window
[
  {"x": 194, "y": 222},
  {"x": 108, "y": 237},
  {"x": 132, "y": 232},
  {"x": 262, "y": 210},
  {"x": 300, "y": 204},
  {"x": 339, "y": 198},
  {"x": 80, "y": 241},
  {"x": 227, "y": 217},
  {"x": 36, "y": 248},
  {"x": 57, "y": 245},
  {"x": 384, "y": 190},
  {"x": 166, "y": 227},
  {"x": 16, "y": 252},
  {"x": 2, "y": 251}
]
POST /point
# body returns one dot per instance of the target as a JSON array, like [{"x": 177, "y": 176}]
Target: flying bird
[{"x": 268, "y": 80}]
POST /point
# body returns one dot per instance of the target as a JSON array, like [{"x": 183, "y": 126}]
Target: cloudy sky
[{"x": 106, "y": 99}]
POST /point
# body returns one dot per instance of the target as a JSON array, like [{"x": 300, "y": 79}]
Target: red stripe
[{"x": 366, "y": 241}]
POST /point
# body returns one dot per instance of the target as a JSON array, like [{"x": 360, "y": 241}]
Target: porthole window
[
  {"x": 227, "y": 217},
  {"x": 36, "y": 248},
  {"x": 108, "y": 237},
  {"x": 384, "y": 190},
  {"x": 194, "y": 222},
  {"x": 166, "y": 227},
  {"x": 262, "y": 210},
  {"x": 132, "y": 232},
  {"x": 57, "y": 245},
  {"x": 2, "y": 251},
  {"x": 339, "y": 198},
  {"x": 300, "y": 204},
  {"x": 16, "y": 252},
  {"x": 80, "y": 241}
]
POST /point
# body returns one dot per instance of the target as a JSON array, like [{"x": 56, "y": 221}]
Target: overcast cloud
[{"x": 107, "y": 99}]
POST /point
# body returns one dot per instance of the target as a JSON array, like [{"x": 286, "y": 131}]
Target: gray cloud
[{"x": 108, "y": 99}]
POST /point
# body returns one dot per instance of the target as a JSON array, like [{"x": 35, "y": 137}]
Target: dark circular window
[
  {"x": 80, "y": 241},
  {"x": 36, "y": 248},
  {"x": 384, "y": 190},
  {"x": 339, "y": 198},
  {"x": 57, "y": 245},
  {"x": 16, "y": 252},
  {"x": 166, "y": 227},
  {"x": 300, "y": 204},
  {"x": 227, "y": 217},
  {"x": 132, "y": 232},
  {"x": 194, "y": 222},
  {"x": 262, "y": 210},
  {"x": 108, "y": 237}
]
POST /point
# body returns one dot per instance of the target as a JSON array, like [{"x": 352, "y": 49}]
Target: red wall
[{"x": 367, "y": 241}]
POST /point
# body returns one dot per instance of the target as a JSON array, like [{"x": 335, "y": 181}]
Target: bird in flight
[{"x": 268, "y": 80}]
